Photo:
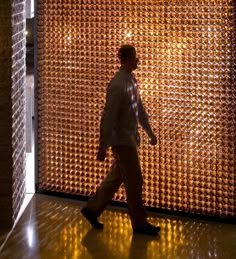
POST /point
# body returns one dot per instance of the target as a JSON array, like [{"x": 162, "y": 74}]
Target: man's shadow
[
  {"x": 139, "y": 245},
  {"x": 97, "y": 248},
  {"x": 94, "y": 244}
]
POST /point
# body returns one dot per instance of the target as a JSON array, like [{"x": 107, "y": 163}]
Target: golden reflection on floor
[{"x": 53, "y": 227}]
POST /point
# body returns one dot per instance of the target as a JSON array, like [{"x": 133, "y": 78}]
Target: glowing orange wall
[{"x": 187, "y": 82}]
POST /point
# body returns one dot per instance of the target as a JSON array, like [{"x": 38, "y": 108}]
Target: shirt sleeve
[
  {"x": 110, "y": 113},
  {"x": 143, "y": 118}
]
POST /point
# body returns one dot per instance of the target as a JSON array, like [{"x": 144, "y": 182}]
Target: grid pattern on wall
[
  {"x": 187, "y": 82},
  {"x": 12, "y": 110},
  {"x": 18, "y": 100}
]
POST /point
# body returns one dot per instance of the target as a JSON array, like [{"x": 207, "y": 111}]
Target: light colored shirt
[{"x": 122, "y": 113}]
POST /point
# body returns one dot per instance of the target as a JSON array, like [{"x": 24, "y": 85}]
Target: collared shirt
[{"x": 122, "y": 113}]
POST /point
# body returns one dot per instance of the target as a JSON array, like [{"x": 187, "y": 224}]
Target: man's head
[{"x": 127, "y": 57}]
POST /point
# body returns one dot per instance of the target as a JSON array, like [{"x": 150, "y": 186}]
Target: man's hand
[
  {"x": 101, "y": 155},
  {"x": 153, "y": 139}
]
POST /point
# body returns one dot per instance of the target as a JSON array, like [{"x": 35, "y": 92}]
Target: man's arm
[
  {"x": 109, "y": 117},
  {"x": 144, "y": 122}
]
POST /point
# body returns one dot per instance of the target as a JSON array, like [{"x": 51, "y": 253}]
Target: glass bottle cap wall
[{"x": 186, "y": 78}]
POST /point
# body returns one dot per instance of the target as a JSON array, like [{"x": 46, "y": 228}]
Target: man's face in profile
[{"x": 133, "y": 60}]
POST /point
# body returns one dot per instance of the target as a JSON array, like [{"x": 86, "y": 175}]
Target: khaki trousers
[{"x": 126, "y": 169}]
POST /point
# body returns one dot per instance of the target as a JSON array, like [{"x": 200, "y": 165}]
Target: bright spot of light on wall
[{"x": 129, "y": 34}]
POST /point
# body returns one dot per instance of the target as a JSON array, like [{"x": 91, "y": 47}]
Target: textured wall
[
  {"x": 186, "y": 78},
  {"x": 12, "y": 109}
]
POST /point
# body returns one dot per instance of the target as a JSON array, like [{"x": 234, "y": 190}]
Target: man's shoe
[
  {"x": 147, "y": 230},
  {"x": 92, "y": 219}
]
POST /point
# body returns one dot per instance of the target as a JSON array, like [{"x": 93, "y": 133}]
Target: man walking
[{"x": 119, "y": 130}]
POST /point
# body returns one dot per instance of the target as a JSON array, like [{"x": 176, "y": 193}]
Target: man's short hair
[{"x": 125, "y": 51}]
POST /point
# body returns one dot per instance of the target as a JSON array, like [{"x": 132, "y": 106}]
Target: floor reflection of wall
[{"x": 54, "y": 228}]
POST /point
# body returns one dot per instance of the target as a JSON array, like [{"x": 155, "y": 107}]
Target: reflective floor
[{"x": 53, "y": 227}]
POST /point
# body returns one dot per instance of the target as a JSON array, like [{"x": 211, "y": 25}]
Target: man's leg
[
  {"x": 133, "y": 180},
  {"x": 126, "y": 168},
  {"x": 106, "y": 191},
  {"x": 103, "y": 196}
]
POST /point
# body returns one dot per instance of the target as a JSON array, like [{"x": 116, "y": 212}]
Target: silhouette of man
[{"x": 119, "y": 130}]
